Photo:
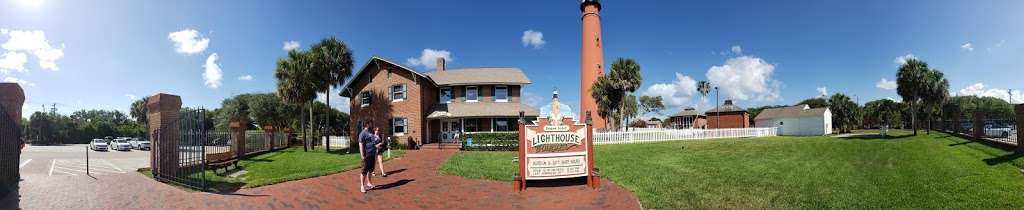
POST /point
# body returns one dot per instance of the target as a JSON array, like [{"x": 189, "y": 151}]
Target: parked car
[
  {"x": 999, "y": 131},
  {"x": 120, "y": 144},
  {"x": 98, "y": 144},
  {"x": 140, "y": 144}
]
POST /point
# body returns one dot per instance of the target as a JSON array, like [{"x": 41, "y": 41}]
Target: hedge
[{"x": 491, "y": 142}]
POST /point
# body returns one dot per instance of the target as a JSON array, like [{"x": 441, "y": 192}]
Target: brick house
[
  {"x": 727, "y": 116},
  {"x": 434, "y": 107}
]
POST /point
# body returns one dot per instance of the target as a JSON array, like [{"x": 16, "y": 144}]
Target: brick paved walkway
[{"x": 418, "y": 186}]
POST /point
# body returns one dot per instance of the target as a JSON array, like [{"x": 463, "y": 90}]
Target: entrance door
[{"x": 450, "y": 130}]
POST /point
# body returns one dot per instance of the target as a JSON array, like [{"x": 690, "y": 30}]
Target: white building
[{"x": 799, "y": 120}]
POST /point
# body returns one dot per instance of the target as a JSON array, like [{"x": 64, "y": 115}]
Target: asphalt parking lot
[{"x": 70, "y": 160}]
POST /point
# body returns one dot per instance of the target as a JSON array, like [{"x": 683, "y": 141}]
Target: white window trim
[
  {"x": 441, "y": 93},
  {"x": 477, "y": 94},
  {"x": 495, "y": 93},
  {"x": 405, "y": 93},
  {"x": 362, "y": 103},
  {"x": 393, "y": 125}
]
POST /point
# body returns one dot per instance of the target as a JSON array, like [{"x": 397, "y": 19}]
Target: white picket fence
[
  {"x": 645, "y": 136},
  {"x": 336, "y": 141}
]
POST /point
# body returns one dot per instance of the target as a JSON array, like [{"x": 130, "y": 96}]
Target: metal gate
[
  {"x": 10, "y": 152},
  {"x": 180, "y": 150}
]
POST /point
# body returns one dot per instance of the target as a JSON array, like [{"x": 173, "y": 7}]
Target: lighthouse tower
[{"x": 591, "y": 59}]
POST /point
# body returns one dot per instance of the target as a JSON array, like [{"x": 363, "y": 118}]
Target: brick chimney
[{"x": 440, "y": 64}]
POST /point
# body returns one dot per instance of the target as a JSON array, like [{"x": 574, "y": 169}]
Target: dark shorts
[{"x": 368, "y": 163}]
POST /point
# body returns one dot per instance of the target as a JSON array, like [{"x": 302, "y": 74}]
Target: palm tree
[
  {"x": 630, "y": 109},
  {"x": 704, "y": 88},
  {"x": 607, "y": 97},
  {"x": 625, "y": 77},
  {"x": 843, "y": 112},
  {"x": 332, "y": 63},
  {"x": 910, "y": 80},
  {"x": 936, "y": 94},
  {"x": 295, "y": 82}
]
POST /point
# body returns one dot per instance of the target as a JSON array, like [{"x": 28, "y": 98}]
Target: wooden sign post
[{"x": 555, "y": 147}]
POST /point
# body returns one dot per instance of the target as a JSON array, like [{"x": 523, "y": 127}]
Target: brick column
[
  {"x": 978, "y": 122},
  {"x": 1019, "y": 111},
  {"x": 237, "y": 138},
  {"x": 12, "y": 98},
  {"x": 163, "y": 130},
  {"x": 269, "y": 133}
]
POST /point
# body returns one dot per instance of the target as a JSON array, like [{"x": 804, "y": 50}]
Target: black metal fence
[
  {"x": 182, "y": 153},
  {"x": 10, "y": 152},
  {"x": 1000, "y": 130},
  {"x": 218, "y": 142},
  {"x": 256, "y": 141},
  {"x": 280, "y": 140}
]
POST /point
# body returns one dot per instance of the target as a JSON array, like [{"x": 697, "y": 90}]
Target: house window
[
  {"x": 398, "y": 126},
  {"x": 471, "y": 125},
  {"x": 446, "y": 95},
  {"x": 503, "y": 125},
  {"x": 398, "y": 93},
  {"x": 365, "y": 99},
  {"x": 472, "y": 94},
  {"x": 501, "y": 93}
]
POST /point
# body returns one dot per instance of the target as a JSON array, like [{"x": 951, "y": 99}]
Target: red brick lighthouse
[{"x": 592, "y": 59}]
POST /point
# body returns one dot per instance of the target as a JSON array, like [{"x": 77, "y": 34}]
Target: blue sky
[{"x": 100, "y": 54}]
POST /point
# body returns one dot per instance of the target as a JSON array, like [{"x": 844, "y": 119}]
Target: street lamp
[{"x": 718, "y": 111}]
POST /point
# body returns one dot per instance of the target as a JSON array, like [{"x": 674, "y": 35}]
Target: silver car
[
  {"x": 140, "y": 144},
  {"x": 98, "y": 145},
  {"x": 120, "y": 145}
]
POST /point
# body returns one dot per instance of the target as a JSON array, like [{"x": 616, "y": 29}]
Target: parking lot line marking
[
  {"x": 25, "y": 163},
  {"x": 112, "y": 165},
  {"x": 69, "y": 169},
  {"x": 54, "y": 162}
]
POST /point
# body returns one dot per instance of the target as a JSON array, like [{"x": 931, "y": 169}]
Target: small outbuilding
[
  {"x": 728, "y": 115},
  {"x": 799, "y": 120},
  {"x": 688, "y": 118}
]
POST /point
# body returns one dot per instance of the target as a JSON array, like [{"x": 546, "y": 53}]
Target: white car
[
  {"x": 120, "y": 145},
  {"x": 999, "y": 132},
  {"x": 140, "y": 144},
  {"x": 98, "y": 144}
]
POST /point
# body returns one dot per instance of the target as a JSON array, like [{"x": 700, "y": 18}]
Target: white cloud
[
  {"x": 967, "y": 47},
  {"x": 903, "y": 59},
  {"x": 290, "y": 45},
  {"x": 533, "y": 38},
  {"x": 131, "y": 97},
  {"x": 34, "y": 42},
  {"x": 736, "y": 49},
  {"x": 246, "y": 77},
  {"x": 886, "y": 84},
  {"x": 19, "y": 81},
  {"x": 337, "y": 102},
  {"x": 746, "y": 78},
  {"x": 822, "y": 92},
  {"x": 978, "y": 89},
  {"x": 676, "y": 93},
  {"x": 188, "y": 41},
  {"x": 534, "y": 100},
  {"x": 212, "y": 74},
  {"x": 429, "y": 57},
  {"x": 13, "y": 61}
]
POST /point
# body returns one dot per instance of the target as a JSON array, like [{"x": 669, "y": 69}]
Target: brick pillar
[
  {"x": 978, "y": 122},
  {"x": 12, "y": 98},
  {"x": 269, "y": 131},
  {"x": 1019, "y": 111},
  {"x": 237, "y": 138},
  {"x": 163, "y": 130}
]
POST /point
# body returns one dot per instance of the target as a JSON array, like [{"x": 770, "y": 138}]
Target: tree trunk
[
  {"x": 302, "y": 123},
  {"x": 327, "y": 145},
  {"x": 913, "y": 118},
  {"x": 311, "y": 131}
]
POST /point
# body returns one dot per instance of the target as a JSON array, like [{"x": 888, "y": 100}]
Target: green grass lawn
[
  {"x": 935, "y": 171},
  {"x": 290, "y": 164},
  {"x": 281, "y": 166}
]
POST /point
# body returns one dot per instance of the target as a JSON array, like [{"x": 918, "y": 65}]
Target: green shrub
[{"x": 507, "y": 141}]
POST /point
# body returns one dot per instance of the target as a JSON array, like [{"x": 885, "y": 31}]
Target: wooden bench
[
  {"x": 221, "y": 160},
  {"x": 222, "y": 164}
]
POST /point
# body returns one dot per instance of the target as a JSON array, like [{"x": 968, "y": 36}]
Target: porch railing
[{"x": 631, "y": 137}]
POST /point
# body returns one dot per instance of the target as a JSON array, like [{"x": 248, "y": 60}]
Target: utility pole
[
  {"x": 718, "y": 112},
  {"x": 1010, "y": 93}
]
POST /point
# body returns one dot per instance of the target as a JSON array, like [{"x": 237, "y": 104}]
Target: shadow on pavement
[
  {"x": 394, "y": 184},
  {"x": 580, "y": 181}
]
